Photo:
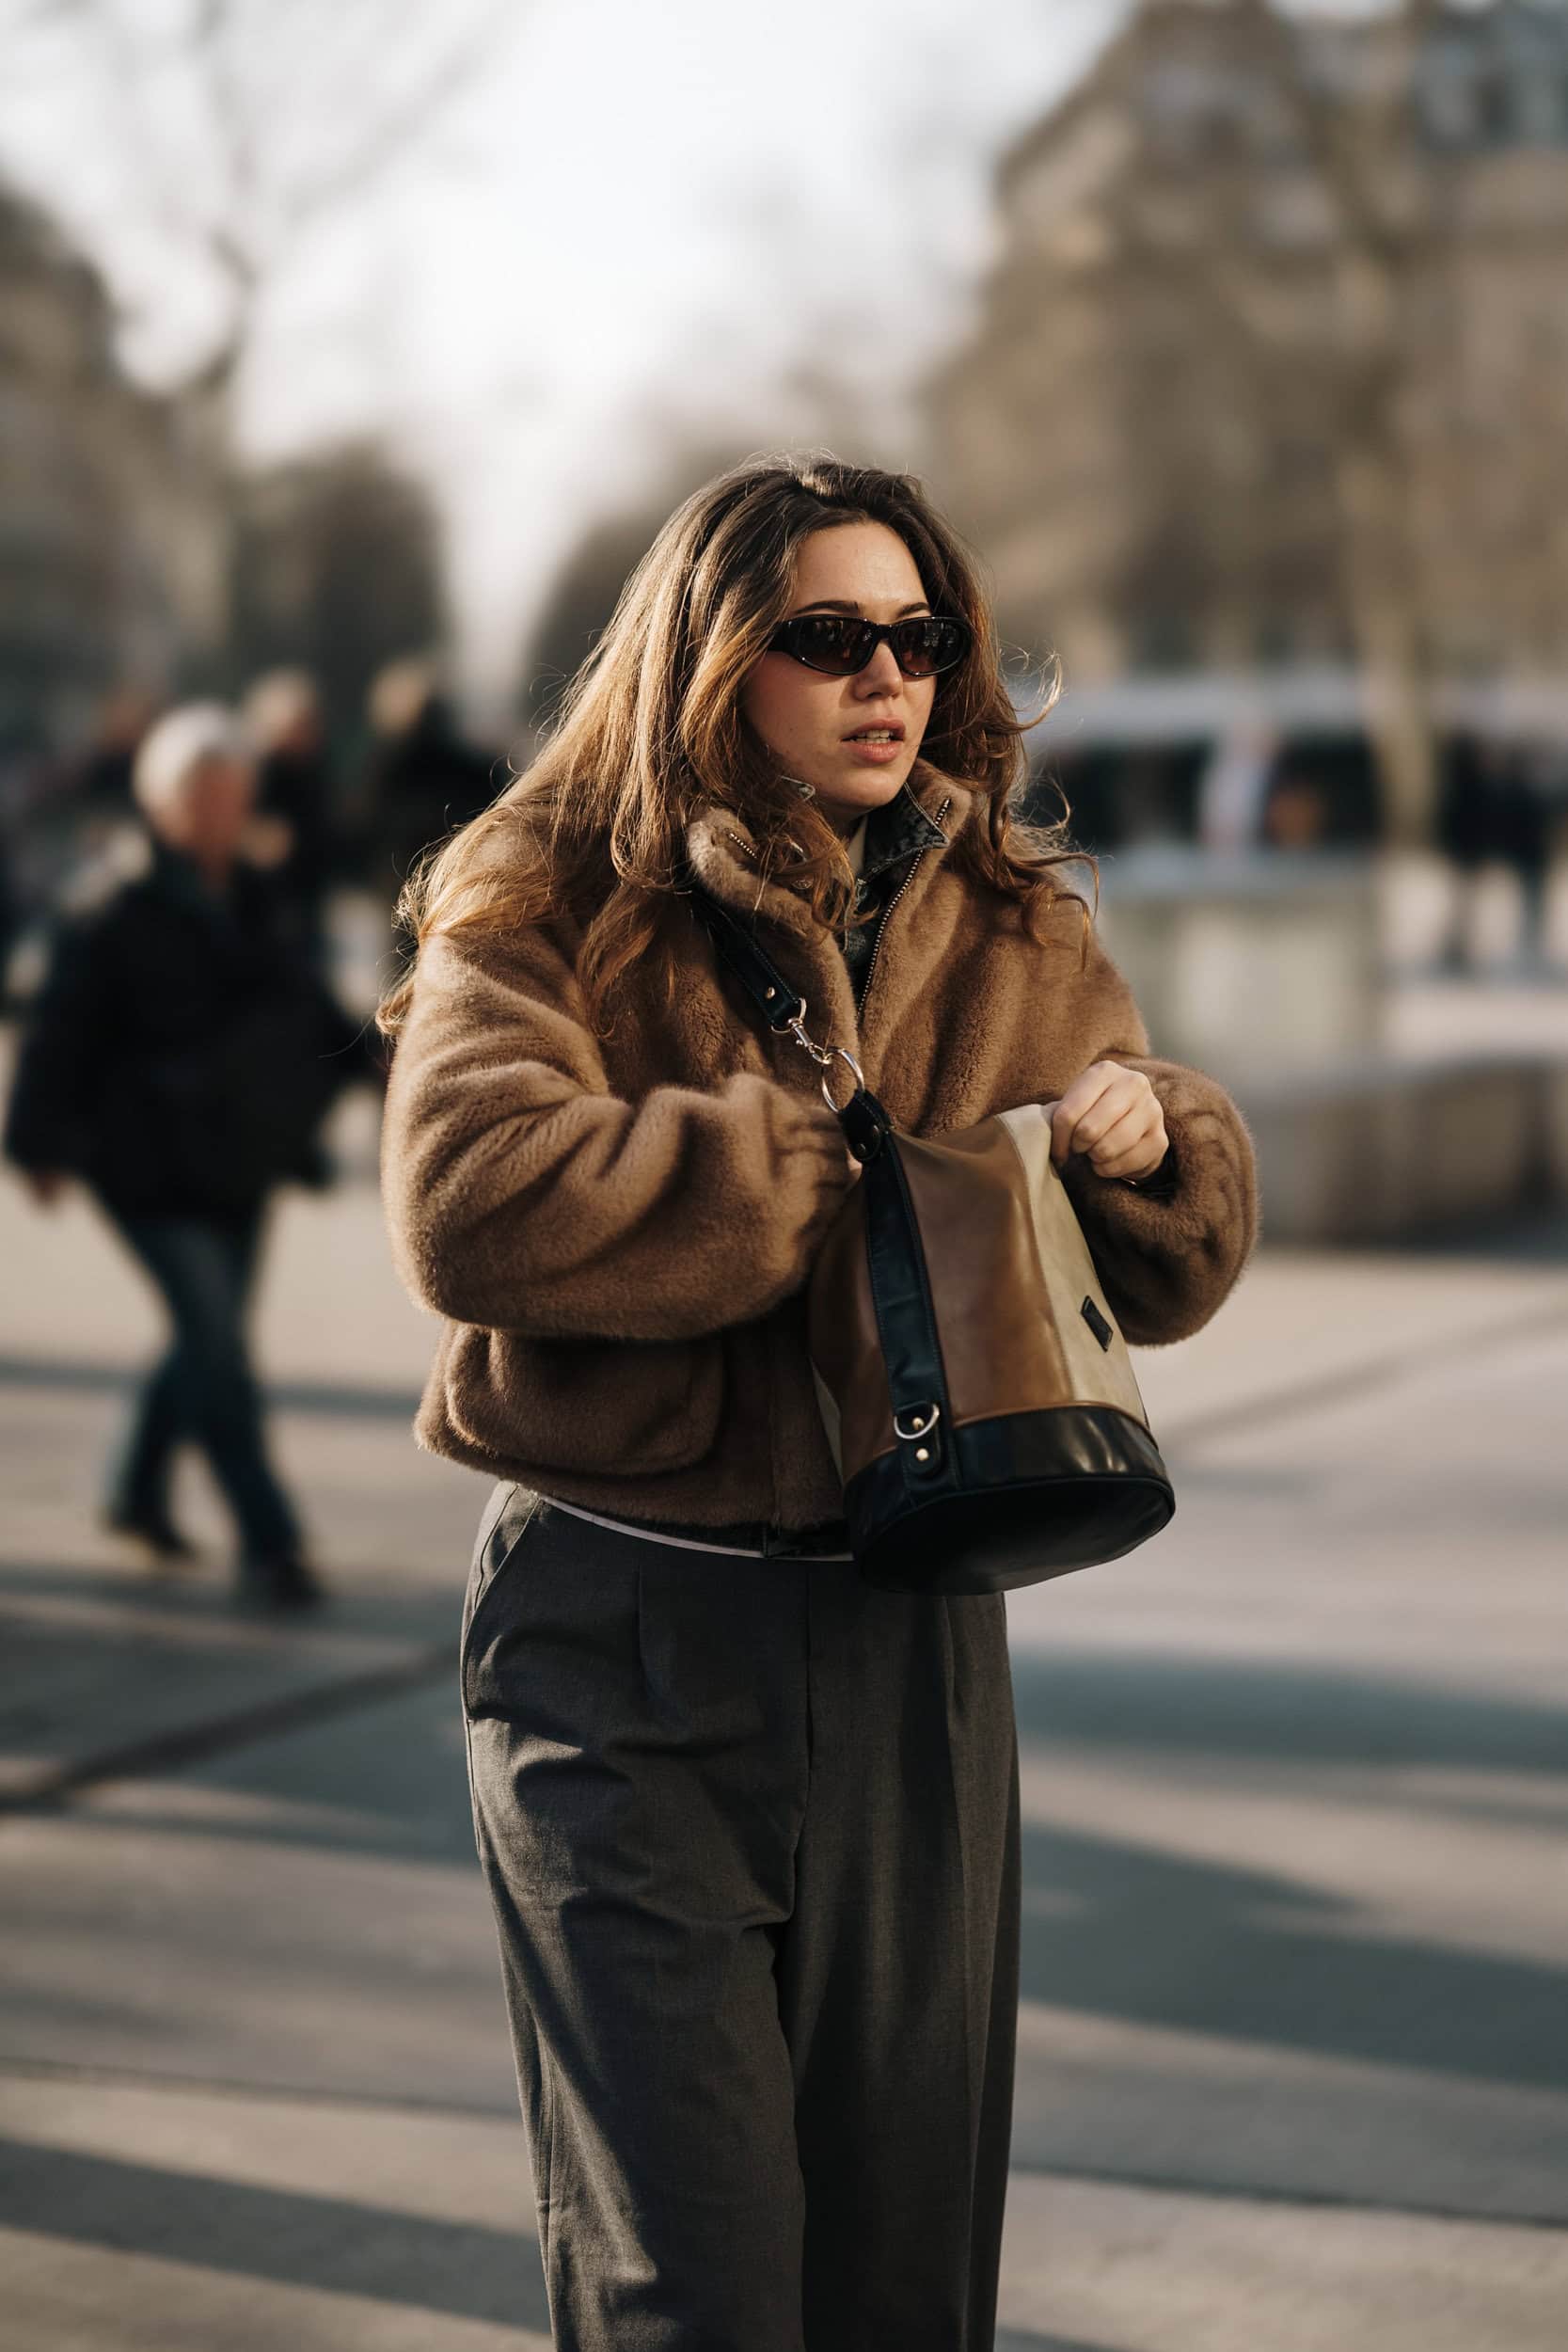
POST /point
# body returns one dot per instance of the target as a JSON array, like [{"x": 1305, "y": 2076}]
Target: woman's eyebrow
[{"x": 838, "y": 604}]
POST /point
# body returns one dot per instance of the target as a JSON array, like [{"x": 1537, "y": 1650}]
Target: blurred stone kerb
[{"x": 1249, "y": 965}]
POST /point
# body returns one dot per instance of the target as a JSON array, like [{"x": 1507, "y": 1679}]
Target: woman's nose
[{"x": 881, "y": 674}]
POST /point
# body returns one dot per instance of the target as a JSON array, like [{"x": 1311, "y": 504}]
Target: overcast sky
[{"x": 639, "y": 221}]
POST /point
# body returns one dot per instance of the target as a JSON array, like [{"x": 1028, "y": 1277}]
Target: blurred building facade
[
  {"x": 1272, "y": 367},
  {"x": 112, "y": 539}
]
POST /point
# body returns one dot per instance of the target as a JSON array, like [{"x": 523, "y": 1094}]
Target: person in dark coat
[
  {"x": 99, "y": 781},
  {"x": 1471, "y": 814},
  {"x": 1525, "y": 829},
  {"x": 178, "y": 1060},
  {"x": 424, "y": 779},
  {"x": 294, "y": 793}
]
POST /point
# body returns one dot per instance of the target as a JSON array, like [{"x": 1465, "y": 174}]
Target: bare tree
[
  {"x": 1358, "y": 132},
  {"x": 244, "y": 126},
  {"x": 1328, "y": 113},
  {"x": 292, "y": 112},
  {"x": 1210, "y": 404}
]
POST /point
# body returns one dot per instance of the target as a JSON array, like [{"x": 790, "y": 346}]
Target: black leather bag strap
[
  {"x": 864, "y": 1122},
  {"x": 759, "y": 975}
]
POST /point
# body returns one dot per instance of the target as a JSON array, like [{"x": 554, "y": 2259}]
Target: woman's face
[{"x": 814, "y": 725}]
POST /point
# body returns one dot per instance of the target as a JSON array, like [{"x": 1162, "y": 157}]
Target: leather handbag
[{"x": 977, "y": 1392}]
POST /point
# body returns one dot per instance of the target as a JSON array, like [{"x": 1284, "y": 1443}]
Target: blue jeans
[{"x": 203, "y": 1390}]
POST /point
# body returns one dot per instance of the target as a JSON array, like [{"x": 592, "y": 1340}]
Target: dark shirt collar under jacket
[{"x": 894, "y": 831}]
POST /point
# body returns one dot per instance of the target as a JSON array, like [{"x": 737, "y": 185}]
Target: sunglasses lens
[
  {"x": 830, "y": 641},
  {"x": 842, "y": 645},
  {"x": 923, "y": 647}
]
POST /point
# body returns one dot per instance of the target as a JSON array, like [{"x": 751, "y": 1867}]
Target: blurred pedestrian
[
  {"x": 750, "y": 1823},
  {"x": 100, "y": 775},
  {"x": 17, "y": 768},
  {"x": 1546, "y": 761},
  {"x": 1234, "y": 786},
  {"x": 283, "y": 717},
  {"x": 1525, "y": 825},
  {"x": 1472, "y": 823},
  {"x": 1295, "y": 811},
  {"x": 178, "y": 1060},
  {"x": 424, "y": 779}
]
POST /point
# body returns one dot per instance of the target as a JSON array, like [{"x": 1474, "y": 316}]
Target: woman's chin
[{"x": 852, "y": 798}]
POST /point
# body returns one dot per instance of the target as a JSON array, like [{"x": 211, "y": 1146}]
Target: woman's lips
[{"x": 877, "y": 754}]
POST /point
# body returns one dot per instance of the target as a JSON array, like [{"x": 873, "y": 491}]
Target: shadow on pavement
[
  {"x": 1015, "y": 2340},
  {"x": 1129, "y": 1931},
  {"x": 455, "y": 2268},
  {"x": 1157, "y": 1703},
  {"x": 1118, "y": 1929},
  {"x": 458, "y": 2270},
  {"x": 1114, "y": 1927},
  {"x": 396, "y": 1608}
]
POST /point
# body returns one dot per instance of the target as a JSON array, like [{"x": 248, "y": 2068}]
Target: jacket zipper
[{"x": 887, "y": 911}]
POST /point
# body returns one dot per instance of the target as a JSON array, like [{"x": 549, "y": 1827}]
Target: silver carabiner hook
[
  {"x": 825, "y": 1056},
  {"x": 797, "y": 1028}
]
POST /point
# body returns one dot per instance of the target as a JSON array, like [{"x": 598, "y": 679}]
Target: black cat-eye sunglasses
[{"x": 841, "y": 644}]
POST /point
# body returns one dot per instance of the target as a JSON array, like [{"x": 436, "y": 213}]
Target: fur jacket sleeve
[
  {"x": 524, "y": 1195},
  {"x": 1168, "y": 1254}
]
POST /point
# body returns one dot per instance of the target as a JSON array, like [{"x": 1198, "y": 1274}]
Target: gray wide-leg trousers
[{"x": 751, "y": 1829}]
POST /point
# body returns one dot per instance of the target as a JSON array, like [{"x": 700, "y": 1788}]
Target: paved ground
[{"x": 1293, "y": 2071}]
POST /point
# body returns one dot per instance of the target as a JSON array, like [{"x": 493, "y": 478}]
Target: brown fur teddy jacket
[{"x": 617, "y": 1234}]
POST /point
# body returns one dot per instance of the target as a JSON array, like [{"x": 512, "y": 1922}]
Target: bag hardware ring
[
  {"x": 933, "y": 1413},
  {"x": 825, "y": 1056}
]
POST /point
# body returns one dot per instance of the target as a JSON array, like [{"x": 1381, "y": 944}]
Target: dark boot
[
  {"x": 157, "y": 1534},
  {"x": 278, "y": 1586}
]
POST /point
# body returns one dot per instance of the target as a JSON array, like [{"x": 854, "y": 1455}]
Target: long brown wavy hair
[{"x": 651, "y": 727}]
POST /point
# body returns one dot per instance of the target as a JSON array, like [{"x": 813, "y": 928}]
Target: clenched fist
[{"x": 1114, "y": 1116}]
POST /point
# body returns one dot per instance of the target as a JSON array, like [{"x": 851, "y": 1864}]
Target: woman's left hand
[{"x": 1113, "y": 1115}]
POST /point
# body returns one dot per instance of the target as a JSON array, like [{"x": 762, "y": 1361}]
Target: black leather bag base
[{"x": 1041, "y": 1494}]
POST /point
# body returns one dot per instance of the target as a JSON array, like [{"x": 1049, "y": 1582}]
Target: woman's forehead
[{"x": 859, "y": 563}]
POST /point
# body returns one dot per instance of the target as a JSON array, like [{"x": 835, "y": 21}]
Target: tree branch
[{"x": 417, "y": 110}]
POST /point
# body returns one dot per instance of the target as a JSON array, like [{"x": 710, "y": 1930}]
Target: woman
[
  {"x": 750, "y": 1826},
  {"x": 178, "y": 1060}
]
